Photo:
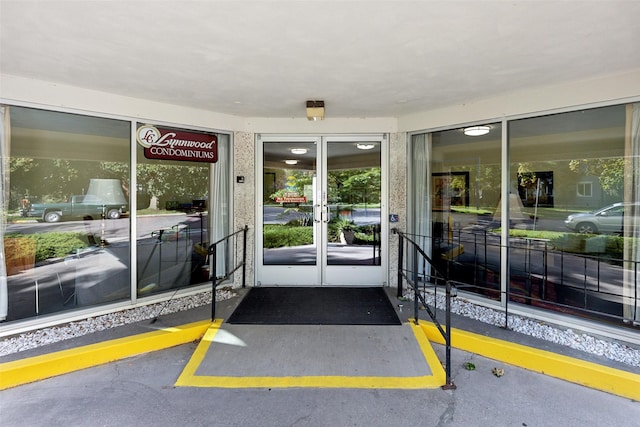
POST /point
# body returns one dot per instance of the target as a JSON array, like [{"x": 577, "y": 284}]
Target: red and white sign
[
  {"x": 170, "y": 144},
  {"x": 299, "y": 199}
]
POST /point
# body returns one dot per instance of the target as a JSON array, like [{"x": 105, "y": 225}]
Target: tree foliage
[
  {"x": 355, "y": 186},
  {"x": 610, "y": 172},
  {"x": 55, "y": 180}
]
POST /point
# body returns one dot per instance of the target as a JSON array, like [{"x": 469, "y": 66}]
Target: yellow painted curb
[
  {"x": 615, "y": 381},
  {"x": 188, "y": 378},
  {"x": 36, "y": 368}
]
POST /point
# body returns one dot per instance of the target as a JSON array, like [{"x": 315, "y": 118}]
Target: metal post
[
  {"x": 201, "y": 230},
  {"x": 400, "y": 263},
  {"x": 160, "y": 259},
  {"x": 415, "y": 284},
  {"x": 545, "y": 262},
  {"x": 635, "y": 293},
  {"x": 506, "y": 302},
  {"x": 37, "y": 299},
  {"x": 449, "y": 385},
  {"x": 244, "y": 256},
  {"x": 214, "y": 274},
  {"x": 584, "y": 283}
]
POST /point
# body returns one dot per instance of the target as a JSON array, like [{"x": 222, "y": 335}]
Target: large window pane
[
  {"x": 463, "y": 183},
  {"x": 173, "y": 219},
  {"x": 570, "y": 224},
  {"x": 67, "y": 238}
]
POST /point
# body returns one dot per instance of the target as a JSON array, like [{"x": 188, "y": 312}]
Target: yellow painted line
[
  {"x": 430, "y": 355},
  {"x": 188, "y": 378},
  {"x": 604, "y": 378},
  {"x": 37, "y": 368},
  {"x": 198, "y": 356}
]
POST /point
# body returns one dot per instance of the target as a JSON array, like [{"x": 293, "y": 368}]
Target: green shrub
[
  {"x": 279, "y": 236},
  {"x": 339, "y": 225},
  {"x": 363, "y": 239},
  {"x": 56, "y": 244},
  {"x": 611, "y": 245}
]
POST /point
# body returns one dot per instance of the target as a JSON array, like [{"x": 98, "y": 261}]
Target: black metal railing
[
  {"x": 580, "y": 277},
  {"x": 419, "y": 283},
  {"x": 240, "y": 262}
]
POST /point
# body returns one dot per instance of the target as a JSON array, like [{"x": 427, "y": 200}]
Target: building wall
[
  {"x": 34, "y": 93},
  {"x": 397, "y": 197},
  {"x": 244, "y": 201}
]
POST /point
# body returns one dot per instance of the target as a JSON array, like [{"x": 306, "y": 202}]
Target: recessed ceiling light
[
  {"x": 299, "y": 151},
  {"x": 291, "y": 162},
  {"x": 476, "y": 130},
  {"x": 365, "y": 146}
]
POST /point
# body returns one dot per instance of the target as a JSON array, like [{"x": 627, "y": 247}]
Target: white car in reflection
[{"x": 606, "y": 220}]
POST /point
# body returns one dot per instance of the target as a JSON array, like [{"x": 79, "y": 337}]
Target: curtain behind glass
[
  {"x": 5, "y": 145},
  {"x": 421, "y": 198},
  {"x": 219, "y": 222},
  {"x": 631, "y": 286}
]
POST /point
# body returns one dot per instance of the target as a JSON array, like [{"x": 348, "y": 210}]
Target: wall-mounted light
[
  {"x": 291, "y": 162},
  {"x": 363, "y": 146},
  {"x": 315, "y": 110},
  {"x": 299, "y": 151},
  {"x": 476, "y": 130}
]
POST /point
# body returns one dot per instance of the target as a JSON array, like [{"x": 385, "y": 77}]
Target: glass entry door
[{"x": 319, "y": 217}]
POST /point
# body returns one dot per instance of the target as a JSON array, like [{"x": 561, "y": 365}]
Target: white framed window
[{"x": 584, "y": 189}]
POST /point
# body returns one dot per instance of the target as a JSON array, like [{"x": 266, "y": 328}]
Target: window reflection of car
[
  {"x": 609, "y": 219},
  {"x": 80, "y": 206}
]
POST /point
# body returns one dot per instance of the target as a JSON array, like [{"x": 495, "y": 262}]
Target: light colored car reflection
[{"x": 606, "y": 220}]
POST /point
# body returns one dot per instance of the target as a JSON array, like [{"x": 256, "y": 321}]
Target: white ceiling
[{"x": 363, "y": 58}]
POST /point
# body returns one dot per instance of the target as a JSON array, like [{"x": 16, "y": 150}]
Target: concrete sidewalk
[{"x": 141, "y": 390}]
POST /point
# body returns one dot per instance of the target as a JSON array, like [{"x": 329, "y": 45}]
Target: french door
[{"x": 319, "y": 216}]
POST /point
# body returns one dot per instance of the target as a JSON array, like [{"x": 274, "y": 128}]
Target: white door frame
[{"x": 321, "y": 274}]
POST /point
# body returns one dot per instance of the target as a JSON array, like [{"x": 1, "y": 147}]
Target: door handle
[{"x": 316, "y": 217}]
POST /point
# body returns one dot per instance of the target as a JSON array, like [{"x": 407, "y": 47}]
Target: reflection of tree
[
  {"x": 347, "y": 186},
  {"x": 536, "y": 188},
  {"x": 54, "y": 180},
  {"x": 163, "y": 182},
  {"x": 355, "y": 185},
  {"x": 610, "y": 172},
  {"x": 488, "y": 178}
]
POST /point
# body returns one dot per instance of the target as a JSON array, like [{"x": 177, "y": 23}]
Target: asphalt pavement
[{"x": 142, "y": 391}]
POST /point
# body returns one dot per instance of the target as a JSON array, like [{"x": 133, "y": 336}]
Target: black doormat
[{"x": 315, "y": 306}]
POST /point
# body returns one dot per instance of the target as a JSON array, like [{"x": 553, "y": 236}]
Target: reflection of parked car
[
  {"x": 606, "y": 220},
  {"x": 79, "y": 207}
]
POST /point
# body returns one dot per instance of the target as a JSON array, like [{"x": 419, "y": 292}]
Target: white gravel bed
[
  {"x": 40, "y": 337},
  {"x": 580, "y": 341}
]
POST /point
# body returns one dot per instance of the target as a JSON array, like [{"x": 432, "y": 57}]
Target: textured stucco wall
[
  {"x": 244, "y": 201},
  {"x": 397, "y": 198}
]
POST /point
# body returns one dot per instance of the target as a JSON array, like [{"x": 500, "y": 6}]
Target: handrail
[
  {"x": 418, "y": 296},
  {"x": 213, "y": 253}
]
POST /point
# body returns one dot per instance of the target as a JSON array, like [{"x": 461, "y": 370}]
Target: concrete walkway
[{"x": 145, "y": 389}]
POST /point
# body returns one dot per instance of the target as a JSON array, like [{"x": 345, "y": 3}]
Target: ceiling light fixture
[
  {"x": 476, "y": 130},
  {"x": 298, "y": 151},
  {"x": 365, "y": 146},
  {"x": 315, "y": 110},
  {"x": 291, "y": 162}
]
